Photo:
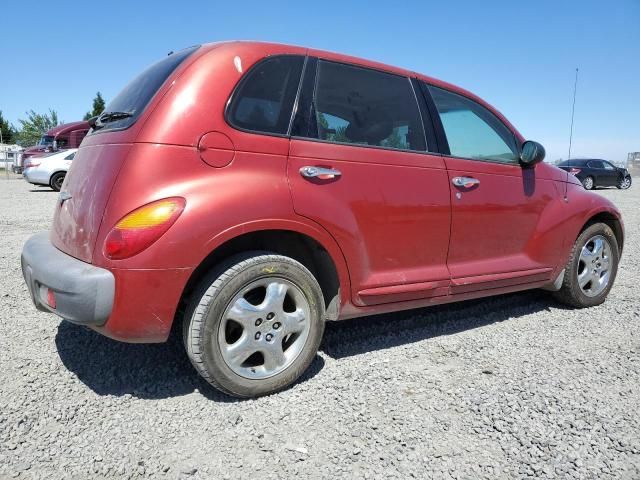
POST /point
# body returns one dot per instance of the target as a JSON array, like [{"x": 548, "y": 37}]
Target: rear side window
[
  {"x": 366, "y": 107},
  {"x": 473, "y": 131},
  {"x": 263, "y": 102},
  {"x": 136, "y": 95}
]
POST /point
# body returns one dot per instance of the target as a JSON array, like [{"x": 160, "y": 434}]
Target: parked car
[
  {"x": 595, "y": 173},
  {"x": 247, "y": 192},
  {"x": 49, "y": 169},
  {"x": 61, "y": 137}
]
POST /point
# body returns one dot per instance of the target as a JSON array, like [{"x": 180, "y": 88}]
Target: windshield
[
  {"x": 45, "y": 140},
  {"x": 127, "y": 106}
]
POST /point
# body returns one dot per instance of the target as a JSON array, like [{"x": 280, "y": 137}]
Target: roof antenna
[
  {"x": 170, "y": 53},
  {"x": 573, "y": 111}
]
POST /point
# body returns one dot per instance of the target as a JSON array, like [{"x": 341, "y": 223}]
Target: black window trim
[
  {"x": 313, "y": 81},
  {"x": 244, "y": 79},
  {"x": 441, "y": 135}
]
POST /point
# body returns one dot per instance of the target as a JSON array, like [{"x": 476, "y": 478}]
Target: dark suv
[{"x": 597, "y": 173}]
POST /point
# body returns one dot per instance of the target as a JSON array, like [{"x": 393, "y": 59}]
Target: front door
[
  {"x": 499, "y": 234},
  {"x": 359, "y": 166}
]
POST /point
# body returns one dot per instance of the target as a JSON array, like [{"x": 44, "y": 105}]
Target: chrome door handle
[
  {"x": 466, "y": 182},
  {"x": 320, "y": 172}
]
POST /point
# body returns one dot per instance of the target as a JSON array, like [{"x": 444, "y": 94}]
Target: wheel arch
[
  {"x": 610, "y": 219},
  {"x": 315, "y": 249}
]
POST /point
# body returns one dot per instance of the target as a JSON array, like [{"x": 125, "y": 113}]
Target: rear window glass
[
  {"x": 136, "y": 95},
  {"x": 264, "y": 99}
]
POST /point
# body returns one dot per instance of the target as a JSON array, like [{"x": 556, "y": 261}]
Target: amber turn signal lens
[{"x": 139, "y": 229}]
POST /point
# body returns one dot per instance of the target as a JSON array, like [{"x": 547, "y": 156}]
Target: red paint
[{"x": 392, "y": 223}]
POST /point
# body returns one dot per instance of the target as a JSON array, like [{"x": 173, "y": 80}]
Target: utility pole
[{"x": 573, "y": 111}]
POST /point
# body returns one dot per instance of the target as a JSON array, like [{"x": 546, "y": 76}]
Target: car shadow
[
  {"x": 43, "y": 190},
  {"x": 155, "y": 371},
  {"x": 379, "y": 332},
  {"x": 147, "y": 371}
]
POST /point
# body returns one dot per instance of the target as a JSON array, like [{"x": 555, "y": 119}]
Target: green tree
[
  {"x": 98, "y": 107},
  {"x": 34, "y": 126},
  {"x": 8, "y": 132}
]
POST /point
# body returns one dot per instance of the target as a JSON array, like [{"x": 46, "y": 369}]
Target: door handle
[
  {"x": 320, "y": 172},
  {"x": 465, "y": 182}
]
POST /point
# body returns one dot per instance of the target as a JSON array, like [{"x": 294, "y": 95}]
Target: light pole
[{"x": 573, "y": 111}]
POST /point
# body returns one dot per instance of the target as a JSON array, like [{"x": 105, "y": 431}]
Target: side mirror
[{"x": 532, "y": 153}]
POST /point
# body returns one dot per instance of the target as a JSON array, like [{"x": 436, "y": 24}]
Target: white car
[{"x": 49, "y": 169}]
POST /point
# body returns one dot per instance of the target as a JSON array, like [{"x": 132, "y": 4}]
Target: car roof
[{"x": 268, "y": 48}]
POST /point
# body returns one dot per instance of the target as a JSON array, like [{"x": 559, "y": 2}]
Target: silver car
[{"x": 49, "y": 169}]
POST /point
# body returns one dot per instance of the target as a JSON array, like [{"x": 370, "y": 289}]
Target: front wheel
[
  {"x": 591, "y": 269},
  {"x": 624, "y": 183},
  {"x": 255, "y": 324},
  {"x": 588, "y": 183}
]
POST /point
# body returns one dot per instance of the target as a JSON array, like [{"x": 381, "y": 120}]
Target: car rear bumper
[
  {"x": 84, "y": 293},
  {"x": 129, "y": 305},
  {"x": 34, "y": 176}
]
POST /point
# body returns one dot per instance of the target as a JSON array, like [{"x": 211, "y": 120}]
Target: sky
[{"x": 519, "y": 56}]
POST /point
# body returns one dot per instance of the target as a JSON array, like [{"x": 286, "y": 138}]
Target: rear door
[
  {"x": 498, "y": 208},
  {"x": 359, "y": 166}
]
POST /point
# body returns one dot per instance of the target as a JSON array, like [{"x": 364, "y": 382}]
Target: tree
[
  {"x": 8, "y": 132},
  {"x": 35, "y": 126},
  {"x": 98, "y": 107}
]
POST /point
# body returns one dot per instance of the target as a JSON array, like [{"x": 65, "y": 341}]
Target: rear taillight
[
  {"x": 51, "y": 298},
  {"x": 143, "y": 226},
  {"x": 31, "y": 164},
  {"x": 575, "y": 171}
]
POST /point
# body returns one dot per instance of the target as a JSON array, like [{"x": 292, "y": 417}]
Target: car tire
[
  {"x": 56, "y": 181},
  {"x": 255, "y": 324},
  {"x": 584, "y": 284},
  {"x": 589, "y": 183},
  {"x": 624, "y": 183}
]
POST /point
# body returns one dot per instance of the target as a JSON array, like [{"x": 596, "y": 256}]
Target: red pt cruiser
[{"x": 252, "y": 191}]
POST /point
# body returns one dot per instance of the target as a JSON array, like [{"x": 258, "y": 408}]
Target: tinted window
[
  {"x": 365, "y": 107},
  {"x": 608, "y": 166},
  {"x": 264, "y": 100},
  {"x": 137, "y": 94},
  {"x": 595, "y": 164},
  {"x": 70, "y": 156},
  {"x": 473, "y": 131}
]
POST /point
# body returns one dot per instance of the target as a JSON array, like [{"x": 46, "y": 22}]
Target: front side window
[
  {"x": 365, "y": 107},
  {"x": 70, "y": 156},
  {"x": 608, "y": 166},
  {"x": 473, "y": 131},
  {"x": 264, "y": 99}
]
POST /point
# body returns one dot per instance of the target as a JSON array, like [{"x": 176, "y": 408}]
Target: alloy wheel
[
  {"x": 594, "y": 266},
  {"x": 626, "y": 183},
  {"x": 588, "y": 183},
  {"x": 264, "y": 328}
]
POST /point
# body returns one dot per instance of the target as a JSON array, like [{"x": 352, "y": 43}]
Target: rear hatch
[{"x": 90, "y": 180}]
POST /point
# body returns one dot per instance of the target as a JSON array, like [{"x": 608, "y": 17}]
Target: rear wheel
[
  {"x": 255, "y": 324},
  {"x": 624, "y": 183},
  {"x": 56, "y": 181},
  {"x": 588, "y": 183},
  {"x": 591, "y": 269}
]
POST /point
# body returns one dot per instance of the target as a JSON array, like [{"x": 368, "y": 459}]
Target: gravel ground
[{"x": 510, "y": 387}]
